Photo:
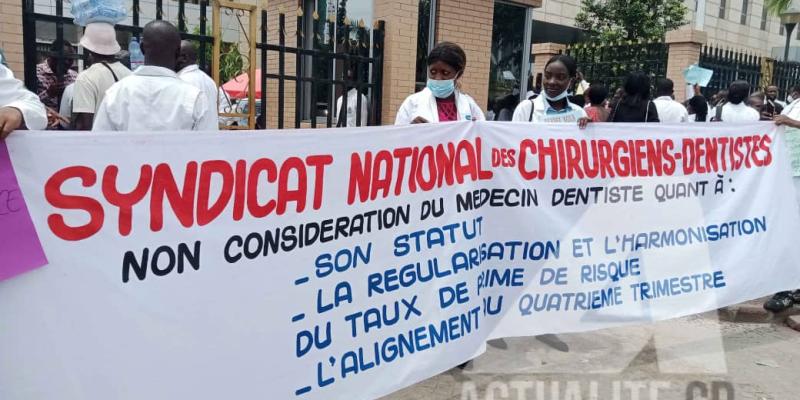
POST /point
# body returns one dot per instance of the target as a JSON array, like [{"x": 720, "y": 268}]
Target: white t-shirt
[
  {"x": 65, "y": 108},
  {"x": 154, "y": 99},
  {"x": 670, "y": 111},
  {"x": 92, "y": 84},
  {"x": 193, "y": 75},
  {"x": 736, "y": 113}
]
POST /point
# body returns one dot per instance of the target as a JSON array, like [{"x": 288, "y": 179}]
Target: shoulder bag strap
[
  {"x": 533, "y": 105},
  {"x": 718, "y": 116},
  {"x": 111, "y": 70}
]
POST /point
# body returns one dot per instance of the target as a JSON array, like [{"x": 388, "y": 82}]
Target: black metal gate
[
  {"x": 326, "y": 74},
  {"x": 35, "y": 51},
  {"x": 323, "y": 77},
  {"x": 609, "y": 63},
  {"x": 729, "y": 66}
]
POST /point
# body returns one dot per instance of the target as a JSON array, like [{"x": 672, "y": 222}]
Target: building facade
[
  {"x": 497, "y": 36},
  {"x": 744, "y": 25}
]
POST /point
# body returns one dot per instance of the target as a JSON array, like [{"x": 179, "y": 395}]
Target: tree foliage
[
  {"x": 615, "y": 20},
  {"x": 231, "y": 60},
  {"x": 775, "y": 7}
]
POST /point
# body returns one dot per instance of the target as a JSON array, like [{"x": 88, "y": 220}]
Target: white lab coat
[
  {"x": 154, "y": 99},
  {"x": 13, "y": 94},
  {"x": 193, "y": 75},
  {"x": 352, "y": 108},
  {"x": 423, "y": 104}
]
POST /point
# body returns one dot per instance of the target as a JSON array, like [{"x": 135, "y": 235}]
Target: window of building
[
  {"x": 722, "y": 5},
  {"x": 764, "y": 14},
  {"x": 426, "y": 33},
  {"x": 745, "y": 6},
  {"x": 509, "y": 66}
]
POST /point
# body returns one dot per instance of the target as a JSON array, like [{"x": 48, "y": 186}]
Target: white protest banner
[{"x": 352, "y": 263}]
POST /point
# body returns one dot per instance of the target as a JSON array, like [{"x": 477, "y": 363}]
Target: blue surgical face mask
[{"x": 442, "y": 89}]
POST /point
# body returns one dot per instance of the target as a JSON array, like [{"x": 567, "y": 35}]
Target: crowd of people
[
  {"x": 171, "y": 84},
  {"x": 170, "y": 93}
]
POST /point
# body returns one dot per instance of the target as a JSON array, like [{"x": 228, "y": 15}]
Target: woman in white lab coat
[
  {"x": 441, "y": 100},
  {"x": 553, "y": 105}
]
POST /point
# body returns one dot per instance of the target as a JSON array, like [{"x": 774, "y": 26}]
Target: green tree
[
  {"x": 775, "y": 7},
  {"x": 231, "y": 59},
  {"x": 614, "y": 20}
]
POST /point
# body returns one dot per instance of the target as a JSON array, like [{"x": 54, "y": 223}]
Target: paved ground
[{"x": 741, "y": 350}]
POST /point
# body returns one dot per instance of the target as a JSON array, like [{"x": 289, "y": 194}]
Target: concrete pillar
[
  {"x": 685, "y": 46},
  {"x": 400, "y": 53},
  {"x": 543, "y": 52},
  {"x": 11, "y": 36},
  {"x": 469, "y": 23},
  {"x": 290, "y": 9}
]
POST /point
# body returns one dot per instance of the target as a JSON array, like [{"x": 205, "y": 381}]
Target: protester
[
  {"x": 597, "y": 110},
  {"x": 757, "y": 101},
  {"x": 790, "y": 118},
  {"x": 618, "y": 94},
  {"x": 669, "y": 110},
  {"x": 719, "y": 98},
  {"x": 772, "y": 98},
  {"x": 352, "y": 110},
  {"x": 772, "y": 106},
  {"x": 581, "y": 85},
  {"x": 441, "y": 100},
  {"x": 153, "y": 98},
  {"x": 352, "y": 105},
  {"x": 190, "y": 72},
  {"x": 552, "y": 105},
  {"x": 734, "y": 108},
  {"x": 50, "y": 85},
  {"x": 65, "y": 107},
  {"x": 100, "y": 43},
  {"x": 698, "y": 109},
  {"x": 19, "y": 108},
  {"x": 794, "y": 94},
  {"x": 635, "y": 104},
  {"x": 534, "y": 89},
  {"x": 507, "y": 105}
]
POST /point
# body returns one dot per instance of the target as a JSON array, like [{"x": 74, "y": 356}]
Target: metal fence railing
[
  {"x": 325, "y": 77},
  {"x": 785, "y": 75},
  {"x": 330, "y": 61},
  {"x": 35, "y": 17},
  {"x": 609, "y": 63},
  {"x": 729, "y": 66}
]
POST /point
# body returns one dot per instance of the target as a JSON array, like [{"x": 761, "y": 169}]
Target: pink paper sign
[{"x": 20, "y": 249}]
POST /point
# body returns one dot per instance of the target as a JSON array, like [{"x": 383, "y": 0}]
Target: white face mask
[{"x": 562, "y": 96}]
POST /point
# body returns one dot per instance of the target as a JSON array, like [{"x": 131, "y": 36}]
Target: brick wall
[
  {"x": 400, "y": 53},
  {"x": 274, "y": 8},
  {"x": 469, "y": 23},
  {"x": 11, "y": 35},
  {"x": 684, "y": 50}
]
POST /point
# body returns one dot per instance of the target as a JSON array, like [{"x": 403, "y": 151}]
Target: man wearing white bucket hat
[{"x": 100, "y": 43}]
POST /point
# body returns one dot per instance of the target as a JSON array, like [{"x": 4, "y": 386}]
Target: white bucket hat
[{"x": 100, "y": 38}]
